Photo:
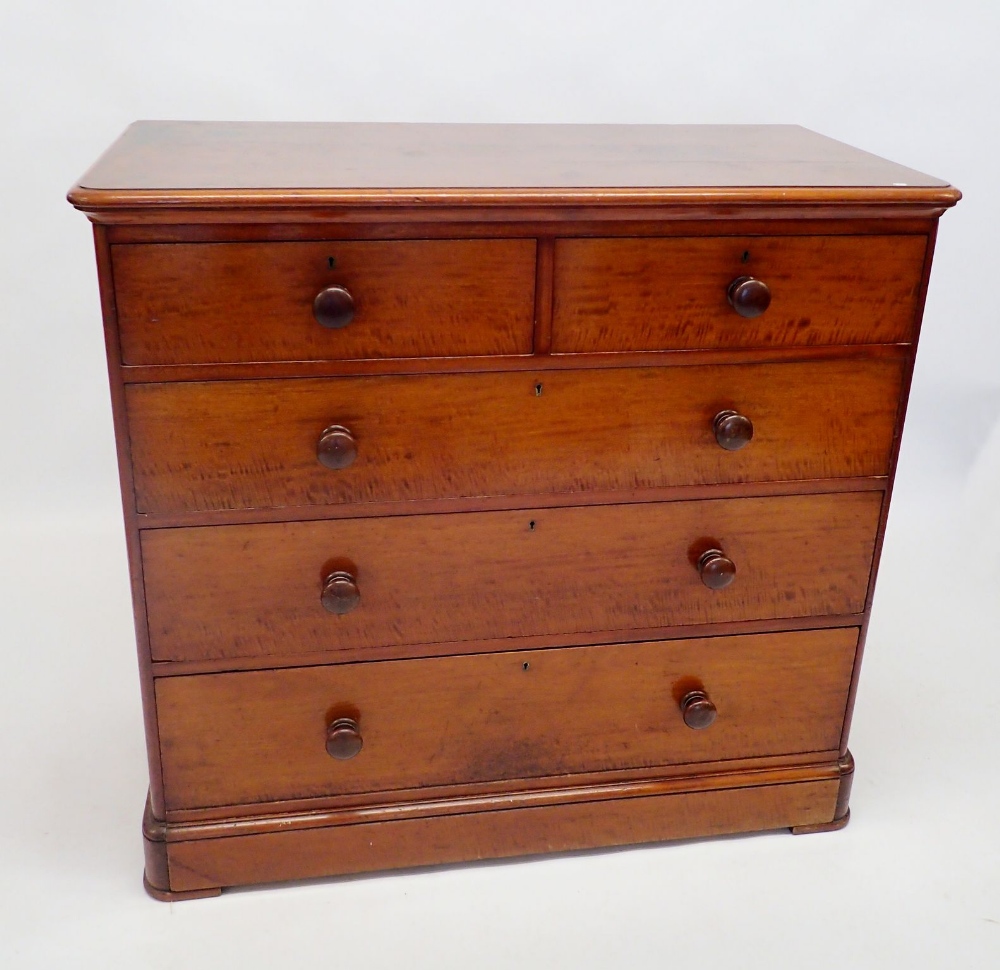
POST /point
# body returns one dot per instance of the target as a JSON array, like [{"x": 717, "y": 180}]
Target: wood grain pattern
[
  {"x": 261, "y": 735},
  {"x": 189, "y": 210},
  {"x": 337, "y": 850},
  {"x": 398, "y": 366},
  {"x": 253, "y": 817},
  {"x": 541, "y": 321},
  {"x": 842, "y": 813},
  {"x": 231, "y": 302},
  {"x": 877, "y": 222},
  {"x": 233, "y": 445},
  {"x": 231, "y": 591},
  {"x": 406, "y": 651},
  {"x": 614, "y": 295},
  {"x": 498, "y": 503},
  {"x": 126, "y": 483},
  {"x": 239, "y": 164}
]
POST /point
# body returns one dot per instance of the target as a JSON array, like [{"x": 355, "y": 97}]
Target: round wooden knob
[
  {"x": 697, "y": 710},
  {"x": 336, "y": 447},
  {"x": 732, "y": 430},
  {"x": 749, "y": 297},
  {"x": 343, "y": 738},
  {"x": 716, "y": 569},
  {"x": 333, "y": 307},
  {"x": 340, "y": 593}
]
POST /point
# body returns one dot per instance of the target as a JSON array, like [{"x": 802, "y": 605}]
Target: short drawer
[
  {"x": 259, "y": 444},
  {"x": 260, "y": 736},
  {"x": 614, "y": 295},
  {"x": 188, "y": 303},
  {"x": 276, "y": 589}
]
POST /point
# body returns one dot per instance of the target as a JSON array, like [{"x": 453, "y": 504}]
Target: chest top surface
[{"x": 261, "y": 163}]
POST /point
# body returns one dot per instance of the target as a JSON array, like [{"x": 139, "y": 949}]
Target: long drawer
[
  {"x": 266, "y": 590},
  {"x": 262, "y": 735},
  {"x": 257, "y": 444},
  {"x": 658, "y": 294},
  {"x": 188, "y": 303}
]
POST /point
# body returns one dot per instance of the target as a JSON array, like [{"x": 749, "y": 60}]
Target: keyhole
[
  {"x": 746, "y": 255},
  {"x": 525, "y": 665},
  {"x": 538, "y": 390},
  {"x": 531, "y": 526},
  {"x": 331, "y": 262}
]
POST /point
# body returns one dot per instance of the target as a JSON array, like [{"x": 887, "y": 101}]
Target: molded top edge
[{"x": 157, "y": 164}]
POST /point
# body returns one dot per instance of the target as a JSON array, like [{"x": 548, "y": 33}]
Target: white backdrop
[{"x": 913, "y": 879}]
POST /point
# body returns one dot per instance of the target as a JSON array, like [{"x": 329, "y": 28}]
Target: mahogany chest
[{"x": 496, "y": 490}]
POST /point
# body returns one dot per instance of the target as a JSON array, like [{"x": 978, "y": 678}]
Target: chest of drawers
[{"x": 497, "y": 490}]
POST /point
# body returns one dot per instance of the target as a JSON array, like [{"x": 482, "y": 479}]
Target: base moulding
[{"x": 180, "y": 865}]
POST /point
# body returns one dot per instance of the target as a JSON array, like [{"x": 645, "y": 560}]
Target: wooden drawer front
[
  {"x": 228, "y": 445},
  {"x": 232, "y": 302},
  {"x": 663, "y": 294},
  {"x": 261, "y": 735},
  {"x": 254, "y": 590}
]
